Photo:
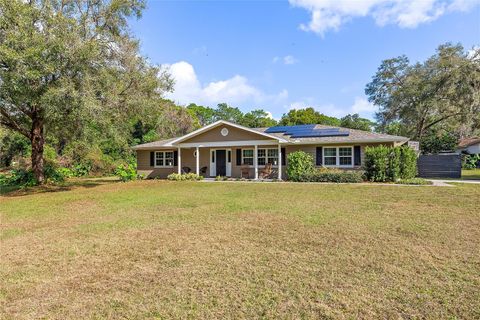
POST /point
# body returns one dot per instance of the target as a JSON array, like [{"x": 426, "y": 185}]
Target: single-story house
[
  {"x": 228, "y": 149},
  {"x": 469, "y": 145}
]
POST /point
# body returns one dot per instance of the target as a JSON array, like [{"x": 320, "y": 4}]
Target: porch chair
[
  {"x": 186, "y": 170},
  {"x": 203, "y": 171},
  {"x": 245, "y": 172},
  {"x": 266, "y": 172}
]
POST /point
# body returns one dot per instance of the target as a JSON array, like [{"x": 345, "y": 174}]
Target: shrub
[
  {"x": 332, "y": 175},
  {"x": 184, "y": 177},
  {"x": 376, "y": 163},
  {"x": 300, "y": 164},
  {"x": 127, "y": 172},
  {"x": 394, "y": 166},
  {"x": 414, "y": 181},
  {"x": 81, "y": 169},
  {"x": 470, "y": 161},
  {"x": 408, "y": 163},
  {"x": 18, "y": 177},
  {"x": 390, "y": 163}
]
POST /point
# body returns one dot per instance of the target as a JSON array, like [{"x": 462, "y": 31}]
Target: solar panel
[
  {"x": 318, "y": 133},
  {"x": 307, "y": 130},
  {"x": 282, "y": 129}
]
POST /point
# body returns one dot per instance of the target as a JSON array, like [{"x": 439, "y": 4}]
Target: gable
[{"x": 234, "y": 134}]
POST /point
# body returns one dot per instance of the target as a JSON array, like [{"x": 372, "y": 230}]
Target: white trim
[
  {"x": 241, "y": 143},
  {"x": 219, "y": 123},
  {"x": 242, "y": 162},
  {"x": 228, "y": 164},
  {"x": 213, "y": 164},
  {"x": 163, "y": 151},
  {"x": 198, "y": 162},
  {"x": 179, "y": 160},
  {"x": 213, "y": 167},
  {"x": 279, "y": 162},
  {"x": 255, "y": 161},
  {"x": 337, "y": 157},
  {"x": 321, "y": 143}
]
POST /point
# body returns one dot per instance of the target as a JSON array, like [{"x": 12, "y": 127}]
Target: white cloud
[
  {"x": 289, "y": 60},
  {"x": 285, "y": 60},
  {"x": 360, "y": 106},
  {"x": 235, "y": 90},
  {"x": 332, "y": 14}
]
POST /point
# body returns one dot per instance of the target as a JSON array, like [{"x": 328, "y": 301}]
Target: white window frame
[
  {"x": 253, "y": 157},
  {"x": 337, "y": 157},
  {"x": 164, "y": 159}
]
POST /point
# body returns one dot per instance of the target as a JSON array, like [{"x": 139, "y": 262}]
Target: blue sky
[{"x": 278, "y": 55}]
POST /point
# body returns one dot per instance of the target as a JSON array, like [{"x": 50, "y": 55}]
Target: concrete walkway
[{"x": 446, "y": 183}]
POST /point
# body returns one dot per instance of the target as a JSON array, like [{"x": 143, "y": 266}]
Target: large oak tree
[
  {"x": 443, "y": 91},
  {"x": 66, "y": 62}
]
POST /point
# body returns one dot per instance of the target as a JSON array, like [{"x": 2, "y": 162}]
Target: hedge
[
  {"x": 390, "y": 163},
  {"x": 332, "y": 175}
]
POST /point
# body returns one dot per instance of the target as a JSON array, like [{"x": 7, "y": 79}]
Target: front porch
[{"x": 249, "y": 161}]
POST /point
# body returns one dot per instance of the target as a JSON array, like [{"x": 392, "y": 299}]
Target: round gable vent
[{"x": 224, "y": 132}]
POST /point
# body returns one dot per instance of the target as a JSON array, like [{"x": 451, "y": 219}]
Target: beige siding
[
  {"x": 188, "y": 160},
  {"x": 234, "y": 134}
]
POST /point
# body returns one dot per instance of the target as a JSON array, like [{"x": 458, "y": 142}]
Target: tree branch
[{"x": 12, "y": 124}]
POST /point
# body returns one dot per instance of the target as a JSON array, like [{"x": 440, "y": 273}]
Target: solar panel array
[{"x": 307, "y": 131}]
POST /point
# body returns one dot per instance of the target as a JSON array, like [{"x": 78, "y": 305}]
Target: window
[
  {"x": 264, "y": 156},
  {"x": 247, "y": 156},
  {"x": 272, "y": 156},
  {"x": 338, "y": 156},
  {"x": 345, "y": 156},
  {"x": 164, "y": 159},
  {"x": 330, "y": 156}
]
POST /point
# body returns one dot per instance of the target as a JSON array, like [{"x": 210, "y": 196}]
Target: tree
[
  {"x": 257, "y": 119},
  {"x": 205, "y": 115},
  {"x": 64, "y": 64},
  {"x": 442, "y": 92},
  {"x": 307, "y": 116},
  {"x": 434, "y": 142},
  {"x": 354, "y": 121},
  {"x": 227, "y": 113}
]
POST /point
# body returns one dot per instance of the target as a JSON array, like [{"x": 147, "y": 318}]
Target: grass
[
  {"x": 414, "y": 181},
  {"x": 160, "y": 249},
  {"x": 473, "y": 174}
]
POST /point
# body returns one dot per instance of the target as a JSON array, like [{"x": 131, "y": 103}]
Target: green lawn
[
  {"x": 159, "y": 249},
  {"x": 471, "y": 174}
]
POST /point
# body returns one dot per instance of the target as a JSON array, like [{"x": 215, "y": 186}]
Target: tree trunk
[{"x": 37, "y": 140}]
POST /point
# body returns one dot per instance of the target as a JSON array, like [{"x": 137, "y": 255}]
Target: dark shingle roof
[{"x": 354, "y": 136}]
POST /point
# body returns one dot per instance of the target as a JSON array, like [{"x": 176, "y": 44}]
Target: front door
[{"x": 221, "y": 163}]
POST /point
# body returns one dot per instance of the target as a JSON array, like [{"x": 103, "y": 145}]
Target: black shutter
[
  {"x": 283, "y": 157},
  {"x": 152, "y": 158},
  {"x": 239, "y": 157},
  {"x": 175, "y": 158},
  {"x": 319, "y": 156},
  {"x": 357, "y": 157}
]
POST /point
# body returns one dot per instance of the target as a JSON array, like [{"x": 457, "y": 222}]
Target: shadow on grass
[{"x": 16, "y": 191}]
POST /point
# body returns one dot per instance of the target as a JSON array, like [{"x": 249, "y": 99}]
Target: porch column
[
  {"x": 198, "y": 160},
  {"x": 255, "y": 161},
  {"x": 179, "y": 162},
  {"x": 279, "y": 162}
]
